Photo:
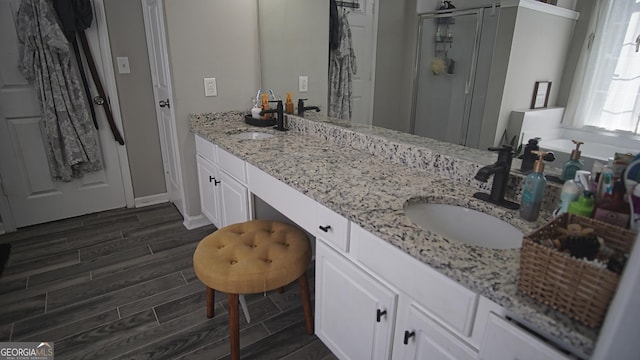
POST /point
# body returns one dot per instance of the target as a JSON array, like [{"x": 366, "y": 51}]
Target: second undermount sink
[
  {"x": 465, "y": 225},
  {"x": 251, "y": 135}
]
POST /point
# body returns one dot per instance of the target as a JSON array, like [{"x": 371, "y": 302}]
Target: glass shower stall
[{"x": 453, "y": 62}]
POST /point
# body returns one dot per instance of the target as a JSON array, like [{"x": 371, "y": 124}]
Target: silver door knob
[{"x": 164, "y": 103}]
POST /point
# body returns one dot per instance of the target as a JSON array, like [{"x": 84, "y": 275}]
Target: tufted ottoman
[{"x": 252, "y": 257}]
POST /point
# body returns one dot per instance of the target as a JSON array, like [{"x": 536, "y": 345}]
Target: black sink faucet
[
  {"x": 500, "y": 170},
  {"x": 279, "y": 111},
  {"x": 302, "y": 108}
]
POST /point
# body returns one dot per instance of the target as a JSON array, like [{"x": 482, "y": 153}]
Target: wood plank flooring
[{"x": 120, "y": 285}]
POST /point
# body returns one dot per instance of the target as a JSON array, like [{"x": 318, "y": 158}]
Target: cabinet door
[
  {"x": 421, "y": 337},
  {"x": 235, "y": 200},
  {"x": 208, "y": 181},
  {"x": 354, "y": 312},
  {"x": 505, "y": 341}
]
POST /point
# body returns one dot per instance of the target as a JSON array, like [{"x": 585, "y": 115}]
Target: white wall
[
  {"x": 209, "y": 38},
  {"x": 532, "y": 56},
  {"x": 395, "y": 58},
  {"x": 294, "y": 41},
  {"x": 135, "y": 95}
]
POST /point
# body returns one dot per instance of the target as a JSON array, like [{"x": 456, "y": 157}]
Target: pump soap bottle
[
  {"x": 533, "y": 192},
  {"x": 573, "y": 164},
  {"x": 288, "y": 104}
]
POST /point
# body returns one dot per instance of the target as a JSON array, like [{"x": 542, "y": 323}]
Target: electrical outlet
[
  {"x": 210, "y": 87},
  {"x": 123, "y": 65},
  {"x": 303, "y": 83}
]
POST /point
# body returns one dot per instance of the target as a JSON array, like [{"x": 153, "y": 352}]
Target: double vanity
[{"x": 389, "y": 284}]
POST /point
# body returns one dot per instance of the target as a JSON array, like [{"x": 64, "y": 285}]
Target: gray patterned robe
[
  {"x": 342, "y": 67},
  {"x": 69, "y": 135}
]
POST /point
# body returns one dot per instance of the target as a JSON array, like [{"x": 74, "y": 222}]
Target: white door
[
  {"x": 362, "y": 24},
  {"x": 422, "y": 338},
  {"x": 153, "y": 11},
  {"x": 354, "y": 312},
  {"x": 209, "y": 183},
  {"x": 33, "y": 196},
  {"x": 235, "y": 200}
]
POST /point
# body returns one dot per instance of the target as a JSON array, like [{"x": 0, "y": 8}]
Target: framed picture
[{"x": 541, "y": 94}]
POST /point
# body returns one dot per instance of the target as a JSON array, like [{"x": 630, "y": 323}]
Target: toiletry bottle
[
  {"x": 614, "y": 210},
  {"x": 533, "y": 192},
  {"x": 265, "y": 106},
  {"x": 288, "y": 105},
  {"x": 605, "y": 184},
  {"x": 573, "y": 164},
  {"x": 571, "y": 190},
  {"x": 583, "y": 206}
]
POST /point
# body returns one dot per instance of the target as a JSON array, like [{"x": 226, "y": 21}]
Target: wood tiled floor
[{"x": 120, "y": 285}]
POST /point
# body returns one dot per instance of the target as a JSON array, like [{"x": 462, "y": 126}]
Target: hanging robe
[
  {"x": 45, "y": 59},
  {"x": 342, "y": 68}
]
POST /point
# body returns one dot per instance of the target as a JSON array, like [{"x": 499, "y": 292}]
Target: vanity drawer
[
  {"x": 331, "y": 227},
  {"x": 206, "y": 149},
  {"x": 505, "y": 341},
  {"x": 444, "y": 298},
  {"x": 233, "y": 165}
]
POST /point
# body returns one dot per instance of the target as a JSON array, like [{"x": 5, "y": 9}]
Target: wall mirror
[{"x": 293, "y": 45}]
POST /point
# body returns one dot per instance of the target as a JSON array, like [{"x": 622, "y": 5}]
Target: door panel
[
  {"x": 33, "y": 196},
  {"x": 361, "y": 23},
  {"x": 161, "y": 75}
]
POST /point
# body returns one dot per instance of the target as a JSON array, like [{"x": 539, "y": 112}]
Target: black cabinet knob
[
  {"x": 325, "y": 228},
  {"x": 379, "y": 314},
  {"x": 408, "y": 335}
]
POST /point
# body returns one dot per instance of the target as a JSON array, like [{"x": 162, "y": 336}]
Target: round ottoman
[{"x": 252, "y": 257}]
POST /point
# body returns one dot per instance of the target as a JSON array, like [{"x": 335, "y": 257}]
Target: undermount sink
[
  {"x": 251, "y": 135},
  {"x": 464, "y": 225}
]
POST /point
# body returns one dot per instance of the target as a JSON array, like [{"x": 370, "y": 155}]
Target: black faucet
[
  {"x": 302, "y": 108},
  {"x": 279, "y": 111},
  {"x": 500, "y": 170}
]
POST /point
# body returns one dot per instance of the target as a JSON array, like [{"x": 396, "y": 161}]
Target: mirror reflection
[{"x": 454, "y": 75}]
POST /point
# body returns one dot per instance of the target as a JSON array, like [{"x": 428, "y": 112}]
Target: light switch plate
[
  {"x": 303, "y": 83},
  {"x": 210, "y": 87},
  {"x": 123, "y": 65}
]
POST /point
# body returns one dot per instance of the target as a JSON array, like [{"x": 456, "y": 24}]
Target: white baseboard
[
  {"x": 193, "y": 222},
  {"x": 151, "y": 200}
]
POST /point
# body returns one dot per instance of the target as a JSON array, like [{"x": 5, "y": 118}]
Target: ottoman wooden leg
[
  {"x": 306, "y": 302},
  {"x": 234, "y": 326},
  {"x": 210, "y": 299}
]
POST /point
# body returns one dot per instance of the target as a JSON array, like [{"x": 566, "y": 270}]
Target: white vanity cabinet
[
  {"x": 224, "y": 196},
  {"x": 355, "y": 313},
  {"x": 373, "y": 301}
]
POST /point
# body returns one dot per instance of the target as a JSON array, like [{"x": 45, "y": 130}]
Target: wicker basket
[{"x": 577, "y": 288}]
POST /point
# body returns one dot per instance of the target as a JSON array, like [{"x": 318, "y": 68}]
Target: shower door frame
[{"x": 479, "y": 12}]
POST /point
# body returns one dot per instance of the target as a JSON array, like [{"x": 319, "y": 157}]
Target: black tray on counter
[{"x": 259, "y": 122}]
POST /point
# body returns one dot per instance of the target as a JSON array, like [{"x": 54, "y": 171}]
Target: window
[{"x": 606, "y": 89}]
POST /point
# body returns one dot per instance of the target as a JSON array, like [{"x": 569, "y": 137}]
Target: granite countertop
[{"x": 356, "y": 171}]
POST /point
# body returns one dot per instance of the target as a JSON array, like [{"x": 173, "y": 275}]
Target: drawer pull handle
[
  {"x": 325, "y": 228},
  {"x": 379, "y": 314},
  {"x": 408, "y": 335},
  {"x": 215, "y": 182}
]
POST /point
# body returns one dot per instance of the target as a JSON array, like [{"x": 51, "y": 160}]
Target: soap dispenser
[
  {"x": 288, "y": 105},
  {"x": 533, "y": 191},
  {"x": 573, "y": 164}
]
